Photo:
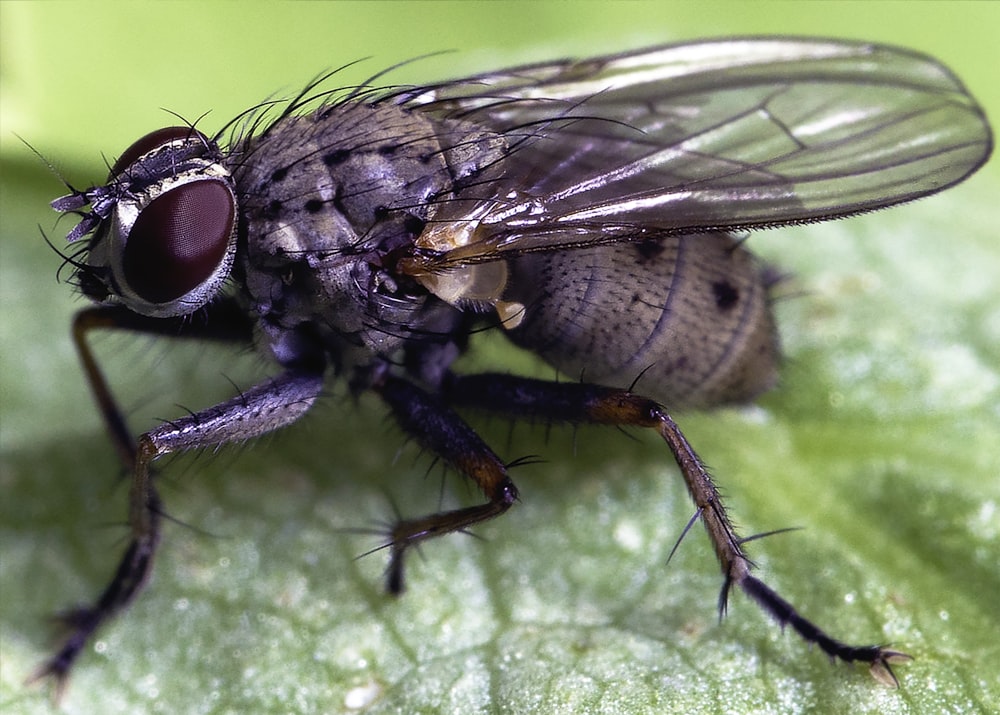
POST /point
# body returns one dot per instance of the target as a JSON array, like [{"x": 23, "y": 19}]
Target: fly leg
[
  {"x": 222, "y": 321},
  {"x": 439, "y": 430},
  {"x": 267, "y": 406},
  {"x": 582, "y": 403}
]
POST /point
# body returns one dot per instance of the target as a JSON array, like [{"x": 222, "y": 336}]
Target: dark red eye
[
  {"x": 151, "y": 141},
  {"x": 179, "y": 240}
]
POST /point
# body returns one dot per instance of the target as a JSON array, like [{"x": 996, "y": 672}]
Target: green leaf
[{"x": 881, "y": 444}]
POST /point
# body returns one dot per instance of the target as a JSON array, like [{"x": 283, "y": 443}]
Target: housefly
[{"x": 589, "y": 210}]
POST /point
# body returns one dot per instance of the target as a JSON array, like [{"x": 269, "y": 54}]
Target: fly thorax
[{"x": 329, "y": 203}]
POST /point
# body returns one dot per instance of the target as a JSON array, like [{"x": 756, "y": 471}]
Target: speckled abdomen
[{"x": 690, "y": 313}]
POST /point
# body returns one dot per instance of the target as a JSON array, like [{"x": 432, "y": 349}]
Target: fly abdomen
[{"x": 690, "y": 311}]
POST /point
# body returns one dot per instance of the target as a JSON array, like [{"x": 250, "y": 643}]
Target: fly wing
[{"x": 723, "y": 135}]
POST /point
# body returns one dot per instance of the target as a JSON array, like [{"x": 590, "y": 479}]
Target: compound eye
[
  {"x": 179, "y": 240},
  {"x": 152, "y": 141}
]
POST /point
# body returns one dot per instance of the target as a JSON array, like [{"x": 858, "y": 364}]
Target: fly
[{"x": 586, "y": 209}]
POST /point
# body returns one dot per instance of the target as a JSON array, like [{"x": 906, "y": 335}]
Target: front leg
[
  {"x": 582, "y": 403},
  {"x": 223, "y": 321},
  {"x": 268, "y": 406}
]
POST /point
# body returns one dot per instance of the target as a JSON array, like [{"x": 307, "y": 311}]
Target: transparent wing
[{"x": 731, "y": 134}]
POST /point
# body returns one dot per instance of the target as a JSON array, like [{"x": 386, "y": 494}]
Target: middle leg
[{"x": 442, "y": 432}]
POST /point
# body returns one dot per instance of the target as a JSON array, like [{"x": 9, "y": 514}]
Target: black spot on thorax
[
  {"x": 272, "y": 210},
  {"x": 338, "y": 156}
]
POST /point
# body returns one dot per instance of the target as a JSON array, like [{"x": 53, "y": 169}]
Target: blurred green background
[{"x": 882, "y": 442}]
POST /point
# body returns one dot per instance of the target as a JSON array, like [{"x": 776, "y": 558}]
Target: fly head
[{"x": 162, "y": 230}]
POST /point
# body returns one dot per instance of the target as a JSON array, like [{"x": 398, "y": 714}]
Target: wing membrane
[{"x": 729, "y": 135}]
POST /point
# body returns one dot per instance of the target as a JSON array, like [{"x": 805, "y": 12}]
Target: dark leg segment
[
  {"x": 447, "y": 436},
  {"x": 582, "y": 403},
  {"x": 266, "y": 407},
  {"x": 222, "y": 321}
]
